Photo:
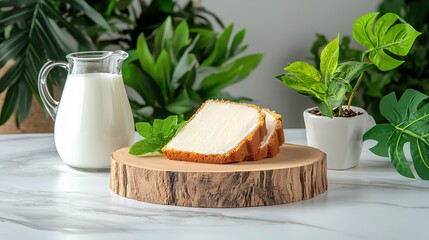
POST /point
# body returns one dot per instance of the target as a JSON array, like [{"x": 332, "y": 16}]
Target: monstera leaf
[
  {"x": 408, "y": 119},
  {"x": 384, "y": 37}
]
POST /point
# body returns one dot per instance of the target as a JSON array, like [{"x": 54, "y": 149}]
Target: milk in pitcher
[{"x": 92, "y": 120}]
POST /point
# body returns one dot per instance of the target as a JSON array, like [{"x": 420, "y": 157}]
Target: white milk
[{"x": 94, "y": 118}]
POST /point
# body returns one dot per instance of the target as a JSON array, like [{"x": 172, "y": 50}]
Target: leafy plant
[
  {"x": 184, "y": 68},
  {"x": 414, "y": 73},
  {"x": 408, "y": 123},
  {"x": 386, "y": 40},
  {"x": 31, "y": 32},
  {"x": 156, "y": 136},
  {"x": 129, "y": 18},
  {"x": 153, "y": 14}
]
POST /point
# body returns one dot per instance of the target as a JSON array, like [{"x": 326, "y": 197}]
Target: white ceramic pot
[{"x": 340, "y": 138}]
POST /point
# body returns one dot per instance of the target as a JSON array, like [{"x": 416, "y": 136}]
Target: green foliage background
[{"x": 33, "y": 31}]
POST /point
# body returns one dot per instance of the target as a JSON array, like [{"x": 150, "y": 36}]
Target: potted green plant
[
  {"x": 332, "y": 127},
  {"x": 414, "y": 73},
  {"x": 183, "y": 68}
]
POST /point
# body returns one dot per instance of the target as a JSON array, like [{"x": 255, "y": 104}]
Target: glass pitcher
[{"x": 93, "y": 117}]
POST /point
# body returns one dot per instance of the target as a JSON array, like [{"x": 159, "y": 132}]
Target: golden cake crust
[{"x": 272, "y": 148}]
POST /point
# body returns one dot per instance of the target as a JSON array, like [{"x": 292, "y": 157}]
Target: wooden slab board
[{"x": 296, "y": 173}]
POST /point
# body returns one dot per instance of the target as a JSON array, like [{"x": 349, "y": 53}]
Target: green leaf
[
  {"x": 140, "y": 82},
  {"x": 420, "y": 155},
  {"x": 229, "y": 74},
  {"x": 326, "y": 108},
  {"x": 304, "y": 78},
  {"x": 206, "y": 41},
  {"x": 236, "y": 41},
  {"x": 329, "y": 58},
  {"x": 156, "y": 135},
  {"x": 144, "y": 129},
  {"x": 144, "y": 146},
  {"x": 337, "y": 89},
  {"x": 12, "y": 48},
  {"x": 188, "y": 79},
  {"x": 216, "y": 82},
  {"x": 304, "y": 70},
  {"x": 351, "y": 70},
  {"x": 306, "y": 86},
  {"x": 182, "y": 104},
  {"x": 80, "y": 37},
  {"x": 10, "y": 104},
  {"x": 384, "y": 37},
  {"x": 16, "y": 3},
  {"x": 180, "y": 38},
  {"x": 122, "y": 4},
  {"x": 24, "y": 102},
  {"x": 163, "y": 35},
  {"x": 397, "y": 156},
  {"x": 163, "y": 75},
  {"x": 164, "y": 127},
  {"x": 90, "y": 12},
  {"x": 146, "y": 60},
  {"x": 220, "y": 49},
  {"x": 381, "y": 132},
  {"x": 16, "y": 15},
  {"x": 186, "y": 63},
  {"x": 408, "y": 122}
]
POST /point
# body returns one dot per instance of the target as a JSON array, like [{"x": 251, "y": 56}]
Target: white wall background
[{"x": 284, "y": 30}]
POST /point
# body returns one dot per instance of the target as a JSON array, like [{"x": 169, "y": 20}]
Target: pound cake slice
[
  {"x": 219, "y": 132},
  {"x": 270, "y": 145}
]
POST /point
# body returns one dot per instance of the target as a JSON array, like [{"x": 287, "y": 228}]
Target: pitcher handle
[{"x": 50, "y": 103}]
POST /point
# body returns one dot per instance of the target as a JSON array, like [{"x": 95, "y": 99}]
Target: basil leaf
[
  {"x": 409, "y": 122},
  {"x": 160, "y": 127},
  {"x": 156, "y": 135},
  {"x": 144, "y": 129},
  {"x": 384, "y": 37},
  {"x": 329, "y": 58},
  {"x": 144, "y": 146}
]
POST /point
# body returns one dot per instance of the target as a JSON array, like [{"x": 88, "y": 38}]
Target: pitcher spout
[{"x": 122, "y": 55}]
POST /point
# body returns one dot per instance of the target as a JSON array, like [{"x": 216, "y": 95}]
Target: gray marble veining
[{"x": 42, "y": 198}]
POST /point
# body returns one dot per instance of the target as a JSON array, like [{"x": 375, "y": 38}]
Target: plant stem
[
  {"x": 340, "y": 111},
  {"x": 349, "y": 103}
]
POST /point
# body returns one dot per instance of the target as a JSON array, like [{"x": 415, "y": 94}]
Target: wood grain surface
[{"x": 296, "y": 173}]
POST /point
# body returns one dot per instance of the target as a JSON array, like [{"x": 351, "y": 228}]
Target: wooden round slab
[{"x": 296, "y": 173}]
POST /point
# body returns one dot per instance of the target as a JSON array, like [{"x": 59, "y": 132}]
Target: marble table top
[{"x": 42, "y": 198}]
